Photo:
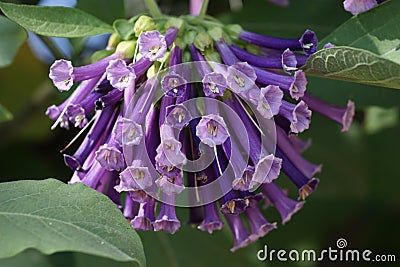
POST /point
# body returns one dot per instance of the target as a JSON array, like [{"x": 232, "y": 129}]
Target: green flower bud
[
  {"x": 113, "y": 40},
  {"x": 180, "y": 42},
  {"x": 212, "y": 55},
  {"x": 175, "y": 23},
  {"x": 127, "y": 48},
  {"x": 143, "y": 24},
  {"x": 216, "y": 33},
  {"x": 202, "y": 41},
  {"x": 189, "y": 36},
  {"x": 234, "y": 30}
]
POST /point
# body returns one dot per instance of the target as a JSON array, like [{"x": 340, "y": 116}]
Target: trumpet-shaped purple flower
[
  {"x": 110, "y": 158},
  {"x": 211, "y": 221},
  {"x": 173, "y": 84},
  {"x": 119, "y": 74},
  {"x": 266, "y": 170},
  {"x": 61, "y": 74},
  {"x": 289, "y": 61},
  {"x": 270, "y": 101},
  {"x": 152, "y": 45},
  {"x": 64, "y": 75},
  {"x": 134, "y": 177},
  {"x": 212, "y": 130},
  {"x": 241, "y": 77},
  {"x": 171, "y": 185},
  {"x": 239, "y": 231},
  {"x": 127, "y": 132},
  {"x": 243, "y": 183},
  {"x": 258, "y": 224},
  {"x": 307, "y": 42},
  {"x": 178, "y": 116},
  {"x": 166, "y": 219},
  {"x": 76, "y": 114},
  {"x": 299, "y": 116},
  {"x": 214, "y": 84},
  {"x": 145, "y": 218},
  {"x": 285, "y": 206}
]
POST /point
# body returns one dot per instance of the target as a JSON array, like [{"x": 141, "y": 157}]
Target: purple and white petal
[
  {"x": 241, "y": 77},
  {"x": 212, "y": 130},
  {"x": 270, "y": 101},
  {"x": 178, "y": 116},
  {"x": 110, "y": 158},
  {"x": 134, "y": 177},
  {"x": 266, "y": 170},
  {"x": 171, "y": 185},
  {"x": 76, "y": 114},
  {"x": 169, "y": 153},
  {"x": 173, "y": 84},
  {"x": 299, "y": 85},
  {"x": 211, "y": 221},
  {"x": 119, "y": 74},
  {"x": 359, "y": 6},
  {"x": 152, "y": 45},
  {"x": 299, "y": 115},
  {"x": 309, "y": 42},
  {"x": 61, "y": 73},
  {"x": 289, "y": 61},
  {"x": 243, "y": 183},
  {"x": 214, "y": 84},
  {"x": 127, "y": 132}
]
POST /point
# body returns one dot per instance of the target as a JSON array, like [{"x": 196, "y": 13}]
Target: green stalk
[
  {"x": 203, "y": 9},
  {"x": 51, "y": 46},
  {"x": 153, "y": 8}
]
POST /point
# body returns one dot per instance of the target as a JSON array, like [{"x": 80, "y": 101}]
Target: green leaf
[
  {"x": 355, "y": 65},
  {"x": 12, "y": 37},
  {"x": 5, "y": 115},
  {"x": 55, "y": 21},
  {"x": 124, "y": 28},
  {"x": 51, "y": 216},
  {"x": 367, "y": 49},
  {"x": 106, "y": 10},
  {"x": 376, "y": 31}
]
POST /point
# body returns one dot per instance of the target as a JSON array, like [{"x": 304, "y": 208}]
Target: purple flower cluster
[{"x": 129, "y": 156}]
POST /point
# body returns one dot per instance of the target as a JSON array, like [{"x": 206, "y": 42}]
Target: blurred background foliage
[{"x": 357, "y": 198}]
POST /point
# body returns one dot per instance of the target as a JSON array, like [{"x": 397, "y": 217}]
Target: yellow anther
[{"x": 231, "y": 206}]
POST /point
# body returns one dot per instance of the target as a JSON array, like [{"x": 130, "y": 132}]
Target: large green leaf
[
  {"x": 367, "y": 49},
  {"x": 55, "y": 21},
  {"x": 12, "y": 37},
  {"x": 355, "y": 65},
  {"x": 104, "y": 9},
  {"x": 51, "y": 216},
  {"x": 376, "y": 31}
]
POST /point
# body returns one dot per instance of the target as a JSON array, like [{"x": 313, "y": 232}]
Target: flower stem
[
  {"x": 153, "y": 8},
  {"x": 51, "y": 46},
  {"x": 203, "y": 9}
]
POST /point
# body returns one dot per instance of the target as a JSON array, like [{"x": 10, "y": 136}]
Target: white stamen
[{"x": 79, "y": 134}]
